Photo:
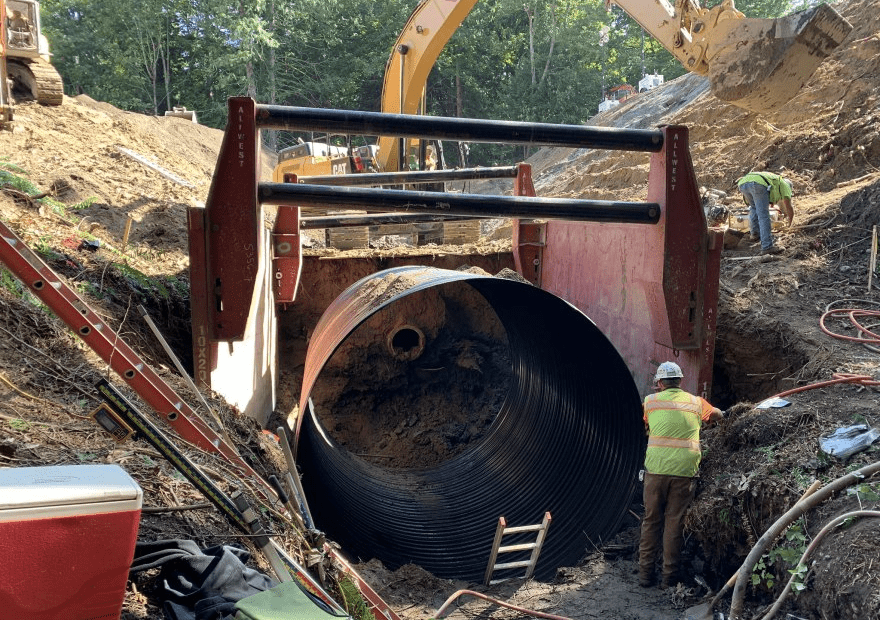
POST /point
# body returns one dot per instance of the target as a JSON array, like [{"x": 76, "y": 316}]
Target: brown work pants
[{"x": 666, "y": 501}]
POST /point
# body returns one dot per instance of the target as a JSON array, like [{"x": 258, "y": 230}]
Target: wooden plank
[
  {"x": 349, "y": 237},
  {"x": 522, "y": 547},
  {"x": 461, "y": 232},
  {"x": 499, "y": 532},
  {"x": 520, "y": 564}
]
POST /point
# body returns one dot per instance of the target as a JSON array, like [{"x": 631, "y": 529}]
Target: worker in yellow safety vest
[
  {"x": 673, "y": 419},
  {"x": 759, "y": 191}
]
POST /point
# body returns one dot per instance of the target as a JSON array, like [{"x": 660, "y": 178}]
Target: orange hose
[
  {"x": 839, "y": 377},
  {"x": 853, "y": 314}
]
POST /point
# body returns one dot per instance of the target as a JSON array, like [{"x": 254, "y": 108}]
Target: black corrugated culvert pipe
[{"x": 568, "y": 439}]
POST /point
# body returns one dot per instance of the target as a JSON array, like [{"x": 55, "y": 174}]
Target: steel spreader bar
[
  {"x": 415, "y": 177},
  {"x": 461, "y": 129},
  {"x": 376, "y": 219},
  {"x": 478, "y": 205}
]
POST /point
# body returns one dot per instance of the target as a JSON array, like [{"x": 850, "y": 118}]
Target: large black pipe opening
[{"x": 567, "y": 439}]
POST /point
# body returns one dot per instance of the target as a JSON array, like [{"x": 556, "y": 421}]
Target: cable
[
  {"x": 538, "y": 614},
  {"x": 854, "y": 314},
  {"x": 830, "y": 311}
]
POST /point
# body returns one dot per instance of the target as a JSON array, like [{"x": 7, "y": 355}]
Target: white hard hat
[{"x": 668, "y": 370}]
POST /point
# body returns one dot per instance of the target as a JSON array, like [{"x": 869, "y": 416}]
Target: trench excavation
[{"x": 436, "y": 401}]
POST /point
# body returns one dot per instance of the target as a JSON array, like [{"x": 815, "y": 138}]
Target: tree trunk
[
  {"x": 552, "y": 43},
  {"x": 531, "y": 14},
  {"x": 459, "y": 108},
  {"x": 272, "y": 135},
  {"x": 165, "y": 60}
]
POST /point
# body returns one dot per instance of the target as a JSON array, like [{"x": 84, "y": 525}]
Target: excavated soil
[
  {"x": 757, "y": 463},
  {"x": 419, "y": 380}
]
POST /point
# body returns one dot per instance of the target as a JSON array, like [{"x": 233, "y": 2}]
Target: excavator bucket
[{"x": 760, "y": 64}]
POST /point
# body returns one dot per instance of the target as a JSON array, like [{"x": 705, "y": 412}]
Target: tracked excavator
[
  {"x": 25, "y": 66},
  {"x": 756, "y": 64}
]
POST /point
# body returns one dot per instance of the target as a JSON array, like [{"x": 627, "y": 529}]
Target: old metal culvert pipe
[{"x": 568, "y": 439}]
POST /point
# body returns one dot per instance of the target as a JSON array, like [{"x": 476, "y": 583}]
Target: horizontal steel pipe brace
[
  {"x": 430, "y": 176},
  {"x": 478, "y": 205},
  {"x": 341, "y": 221},
  {"x": 461, "y": 129}
]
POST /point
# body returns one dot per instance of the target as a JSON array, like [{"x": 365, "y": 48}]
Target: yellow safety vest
[
  {"x": 674, "y": 418},
  {"x": 776, "y": 185}
]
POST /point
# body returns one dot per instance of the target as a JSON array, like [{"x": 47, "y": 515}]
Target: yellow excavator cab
[
  {"x": 311, "y": 159},
  {"x": 26, "y": 53}
]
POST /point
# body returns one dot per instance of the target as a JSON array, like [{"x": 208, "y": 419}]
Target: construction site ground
[{"x": 105, "y": 167}]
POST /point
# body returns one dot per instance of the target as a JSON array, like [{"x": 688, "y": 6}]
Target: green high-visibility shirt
[
  {"x": 674, "y": 418},
  {"x": 778, "y": 186}
]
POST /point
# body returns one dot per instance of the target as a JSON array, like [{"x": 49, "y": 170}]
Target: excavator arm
[
  {"x": 417, "y": 48},
  {"x": 756, "y": 64}
]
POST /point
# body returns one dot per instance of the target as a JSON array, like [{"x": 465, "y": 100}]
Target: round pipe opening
[{"x": 406, "y": 342}]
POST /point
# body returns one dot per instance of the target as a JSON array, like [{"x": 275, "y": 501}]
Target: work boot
[
  {"x": 668, "y": 582},
  {"x": 754, "y": 238},
  {"x": 773, "y": 249},
  {"x": 647, "y": 581}
]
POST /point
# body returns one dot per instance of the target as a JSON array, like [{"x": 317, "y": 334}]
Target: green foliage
[
  {"x": 529, "y": 60},
  {"x": 353, "y": 601},
  {"x": 800, "y": 576},
  {"x": 10, "y": 283},
  {"x": 88, "y": 288},
  {"x": 762, "y": 573},
  {"x": 802, "y": 478},
  {"x": 143, "y": 281},
  {"x": 784, "y": 555},
  {"x": 12, "y": 176},
  {"x": 44, "y": 248},
  {"x": 19, "y": 424},
  {"x": 147, "y": 253},
  {"x": 769, "y": 452},
  {"x": 864, "y": 493}
]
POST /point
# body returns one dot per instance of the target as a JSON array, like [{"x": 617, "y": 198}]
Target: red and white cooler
[{"x": 67, "y": 538}]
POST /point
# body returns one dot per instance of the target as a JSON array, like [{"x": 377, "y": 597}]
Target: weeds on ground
[
  {"x": 13, "y": 285},
  {"x": 13, "y": 177},
  {"x": 786, "y": 555},
  {"x": 865, "y": 493}
]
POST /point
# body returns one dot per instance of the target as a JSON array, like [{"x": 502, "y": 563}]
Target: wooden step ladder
[{"x": 535, "y": 547}]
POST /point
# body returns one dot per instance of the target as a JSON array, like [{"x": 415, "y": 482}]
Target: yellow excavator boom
[
  {"x": 5, "y": 95},
  {"x": 417, "y": 48},
  {"x": 756, "y": 64}
]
